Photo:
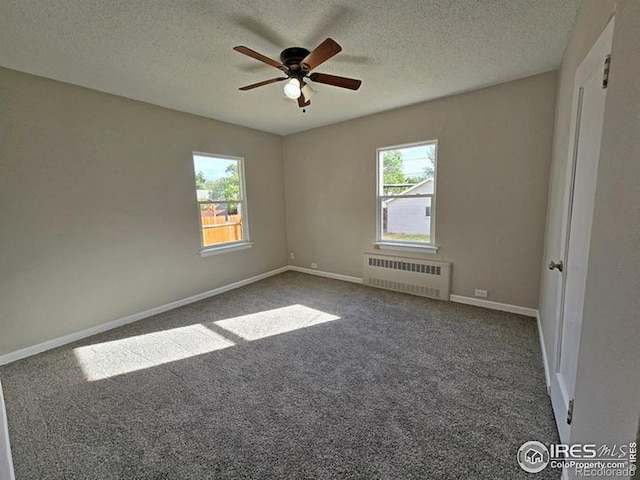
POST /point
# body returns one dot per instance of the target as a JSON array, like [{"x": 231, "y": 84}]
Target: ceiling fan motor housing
[
  {"x": 296, "y": 63},
  {"x": 291, "y": 57}
]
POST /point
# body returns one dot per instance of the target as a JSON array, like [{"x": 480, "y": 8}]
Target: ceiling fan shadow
[
  {"x": 355, "y": 59},
  {"x": 254, "y": 67},
  {"x": 260, "y": 29},
  {"x": 337, "y": 18}
]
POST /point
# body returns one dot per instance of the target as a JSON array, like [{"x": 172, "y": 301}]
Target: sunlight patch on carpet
[
  {"x": 117, "y": 357},
  {"x": 274, "y": 322}
]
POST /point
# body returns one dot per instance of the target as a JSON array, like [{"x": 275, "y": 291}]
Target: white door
[{"x": 586, "y": 133}]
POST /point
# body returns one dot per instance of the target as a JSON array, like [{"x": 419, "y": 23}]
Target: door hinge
[
  {"x": 570, "y": 412},
  {"x": 605, "y": 73}
]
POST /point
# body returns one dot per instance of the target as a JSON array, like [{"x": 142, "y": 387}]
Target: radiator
[{"x": 409, "y": 275}]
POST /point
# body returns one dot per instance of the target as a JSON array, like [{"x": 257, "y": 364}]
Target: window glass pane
[
  {"x": 407, "y": 170},
  {"x": 406, "y": 219},
  {"x": 216, "y": 178},
  {"x": 221, "y": 223}
]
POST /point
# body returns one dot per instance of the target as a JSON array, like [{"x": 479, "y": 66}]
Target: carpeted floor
[{"x": 292, "y": 377}]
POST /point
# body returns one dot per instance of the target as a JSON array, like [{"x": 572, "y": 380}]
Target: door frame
[{"x": 594, "y": 59}]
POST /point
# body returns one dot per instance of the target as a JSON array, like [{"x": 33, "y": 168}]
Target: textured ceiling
[{"x": 178, "y": 54}]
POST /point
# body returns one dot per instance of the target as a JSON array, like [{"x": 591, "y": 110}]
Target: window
[
  {"x": 222, "y": 204},
  {"x": 406, "y": 195}
]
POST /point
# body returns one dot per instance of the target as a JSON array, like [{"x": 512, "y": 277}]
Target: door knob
[{"x": 555, "y": 265}]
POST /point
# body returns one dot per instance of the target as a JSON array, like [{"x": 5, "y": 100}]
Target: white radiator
[{"x": 409, "y": 275}]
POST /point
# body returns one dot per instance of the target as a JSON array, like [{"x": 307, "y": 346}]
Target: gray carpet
[{"x": 291, "y": 377}]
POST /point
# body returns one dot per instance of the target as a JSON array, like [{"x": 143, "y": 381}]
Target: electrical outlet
[
  {"x": 314, "y": 265},
  {"x": 292, "y": 256},
  {"x": 481, "y": 293}
]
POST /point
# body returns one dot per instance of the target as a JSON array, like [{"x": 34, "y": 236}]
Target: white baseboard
[
  {"x": 6, "y": 462},
  {"x": 320, "y": 273},
  {"x": 58, "y": 342},
  {"x": 503, "y": 307},
  {"x": 545, "y": 361},
  {"x": 72, "y": 337}
]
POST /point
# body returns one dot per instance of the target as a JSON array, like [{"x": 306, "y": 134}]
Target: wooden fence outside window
[{"x": 218, "y": 229}]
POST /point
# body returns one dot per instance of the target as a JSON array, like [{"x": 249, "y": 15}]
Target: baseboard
[
  {"x": 503, "y": 307},
  {"x": 6, "y": 462},
  {"x": 545, "y": 361},
  {"x": 320, "y": 273},
  {"x": 58, "y": 342}
]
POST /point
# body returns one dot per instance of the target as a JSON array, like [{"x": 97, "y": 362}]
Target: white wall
[
  {"x": 494, "y": 148},
  {"x": 98, "y": 215},
  {"x": 592, "y": 17},
  {"x": 607, "y": 396},
  {"x": 607, "y": 404},
  {"x": 6, "y": 462}
]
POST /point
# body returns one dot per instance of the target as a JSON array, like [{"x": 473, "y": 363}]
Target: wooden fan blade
[
  {"x": 344, "y": 82},
  {"x": 260, "y": 84},
  {"x": 258, "y": 56},
  {"x": 322, "y": 53},
  {"x": 302, "y": 102}
]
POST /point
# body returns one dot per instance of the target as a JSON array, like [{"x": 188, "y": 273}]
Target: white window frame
[
  {"x": 431, "y": 246},
  {"x": 243, "y": 244}
]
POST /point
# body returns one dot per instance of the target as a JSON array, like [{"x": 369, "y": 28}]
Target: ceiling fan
[{"x": 296, "y": 63}]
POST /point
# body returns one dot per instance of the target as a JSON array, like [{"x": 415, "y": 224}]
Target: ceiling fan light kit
[
  {"x": 292, "y": 88},
  {"x": 297, "y": 63},
  {"x": 307, "y": 91}
]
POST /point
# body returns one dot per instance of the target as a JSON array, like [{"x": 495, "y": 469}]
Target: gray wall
[
  {"x": 98, "y": 214},
  {"x": 494, "y": 148},
  {"x": 608, "y": 379}
]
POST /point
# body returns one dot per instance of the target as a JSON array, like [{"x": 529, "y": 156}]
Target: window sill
[
  {"x": 217, "y": 250},
  {"x": 406, "y": 247}
]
